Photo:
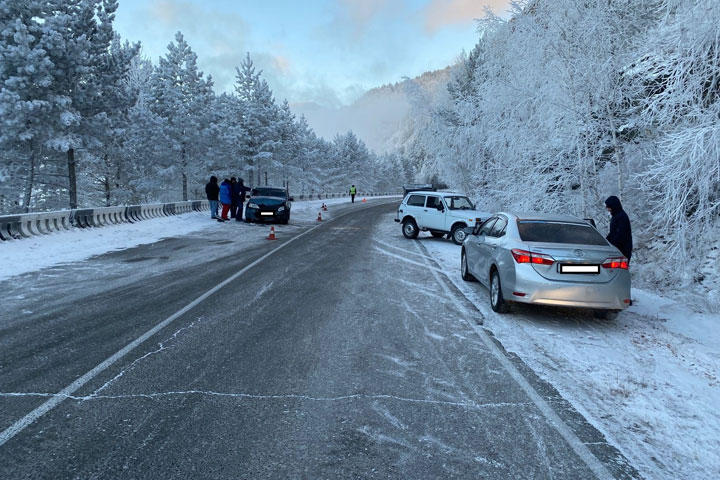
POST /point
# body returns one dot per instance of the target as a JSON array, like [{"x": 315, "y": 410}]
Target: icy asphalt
[{"x": 344, "y": 354}]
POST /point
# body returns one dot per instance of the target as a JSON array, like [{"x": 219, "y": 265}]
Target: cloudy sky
[{"x": 323, "y": 51}]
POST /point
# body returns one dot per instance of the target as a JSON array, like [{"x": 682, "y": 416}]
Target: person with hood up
[
  {"x": 212, "y": 190},
  {"x": 241, "y": 189},
  {"x": 233, "y": 197},
  {"x": 620, "y": 232},
  {"x": 225, "y": 198}
]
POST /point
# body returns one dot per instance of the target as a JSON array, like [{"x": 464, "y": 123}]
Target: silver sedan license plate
[{"x": 580, "y": 269}]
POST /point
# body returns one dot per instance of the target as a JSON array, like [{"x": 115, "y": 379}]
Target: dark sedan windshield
[
  {"x": 459, "y": 203},
  {"x": 268, "y": 192},
  {"x": 556, "y": 232}
]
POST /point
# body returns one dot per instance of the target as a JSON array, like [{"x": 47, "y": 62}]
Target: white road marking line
[
  {"x": 581, "y": 449},
  {"x": 67, "y": 392},
  {"x": 407, "y": 260},
  {"x": 385, "y": 244}
]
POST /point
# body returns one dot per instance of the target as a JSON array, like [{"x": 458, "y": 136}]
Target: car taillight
[
  {"x": 523, "y": 256},
  {"x": 619, "y": 262}
]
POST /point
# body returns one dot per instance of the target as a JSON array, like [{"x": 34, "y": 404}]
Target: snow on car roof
[
  {"x": 451, "y": 194},
  {"x": 549, "y": 217}
]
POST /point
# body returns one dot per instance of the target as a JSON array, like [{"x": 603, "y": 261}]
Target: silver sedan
[{"x": 548, "y": 260}]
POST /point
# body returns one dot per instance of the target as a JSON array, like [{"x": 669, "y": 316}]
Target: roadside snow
[
  {"x": 32, "y": 254},
  {"x": 648, "y": 380}
]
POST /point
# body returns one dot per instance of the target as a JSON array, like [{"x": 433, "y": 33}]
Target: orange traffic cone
[
  {"x": 364, "y": 200},
  {"x": 272, "y": 234},
  {"x": 319, "y": 219},
  {"x": 324, "y": 208}
]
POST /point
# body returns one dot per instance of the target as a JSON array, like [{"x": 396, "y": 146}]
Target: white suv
[{"x": 439, "y": 213}]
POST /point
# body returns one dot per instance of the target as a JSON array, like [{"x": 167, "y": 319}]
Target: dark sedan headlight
[
  {"x": 252, "y": 205},
  {"x": 281, "y": 209}
]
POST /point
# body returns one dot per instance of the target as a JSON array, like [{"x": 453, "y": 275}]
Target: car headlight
[
  {"x": 253, "y": 205},
  {"x": 281, "y": 209}
]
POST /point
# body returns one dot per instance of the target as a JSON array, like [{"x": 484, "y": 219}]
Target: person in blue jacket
[
  {"x": 620, "y": 231},
  {"x": 225, "y": 198}
]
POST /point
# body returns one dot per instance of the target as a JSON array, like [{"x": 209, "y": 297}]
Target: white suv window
[
  {"x": 433, "y": 202},
  {"x": 416, "y": 201}
]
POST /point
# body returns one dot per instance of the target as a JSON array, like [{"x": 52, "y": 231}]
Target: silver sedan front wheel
[
  {"x": 497, "y": 302},
  {"x": 464, "y": 272}
]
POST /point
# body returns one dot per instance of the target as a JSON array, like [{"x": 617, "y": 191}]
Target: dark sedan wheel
[
  {"x": 410, "y": 229},
  {"x": 464, "y": 272},
  {"x": 497, "y": 302}
]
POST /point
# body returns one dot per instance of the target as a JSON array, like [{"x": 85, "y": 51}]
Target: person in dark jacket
[
  {"x": 225, "y": 198},
  {"x": 241, "y": 189},
  {"x": 233, "y": 197},
  {"x": 212, "y": 191},
  {"x": 620, "y": 232}
]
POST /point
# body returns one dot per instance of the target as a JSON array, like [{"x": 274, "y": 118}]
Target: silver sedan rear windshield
[{"x": 557, "y": 232}]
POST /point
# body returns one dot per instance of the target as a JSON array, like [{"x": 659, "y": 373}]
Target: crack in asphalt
[
  {"x": 161, "y": 348},
  {"x": 358, "y": 396}
]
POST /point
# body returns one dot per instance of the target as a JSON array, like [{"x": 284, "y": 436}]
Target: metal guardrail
[
  {"x": 13, "y": 227},
  {"x": 33, "y": 224}
]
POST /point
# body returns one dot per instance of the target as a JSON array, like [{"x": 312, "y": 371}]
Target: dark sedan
[{"x": 268, "y": 204}]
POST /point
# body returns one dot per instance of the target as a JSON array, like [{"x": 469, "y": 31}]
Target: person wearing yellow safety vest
[{"x": 353, "y": 192}]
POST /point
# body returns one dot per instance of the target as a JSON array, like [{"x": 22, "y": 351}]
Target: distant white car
[{"x": 440, "y": 213}]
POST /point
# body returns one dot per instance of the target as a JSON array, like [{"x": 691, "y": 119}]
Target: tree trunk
[
  {"x": 185, "y": 192},
  {"x": 252, "y": 175},
  {"x": 72, "y": 179},
  {"x": 106, "y": 185},
  {"x": 184, "y": 175},
  {"x": 30, "y": 183},
  {"x": 617, "y": 154}
]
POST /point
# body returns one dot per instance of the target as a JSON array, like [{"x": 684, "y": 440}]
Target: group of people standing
[{"x": 230, "y": 193}]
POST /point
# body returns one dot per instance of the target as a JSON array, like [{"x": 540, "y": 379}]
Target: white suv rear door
[{"x": 415, "y": 207}]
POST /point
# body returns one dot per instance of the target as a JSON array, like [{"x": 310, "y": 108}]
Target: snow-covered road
[{"x": 356, "y": 318}]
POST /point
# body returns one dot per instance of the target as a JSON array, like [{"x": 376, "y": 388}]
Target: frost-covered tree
[
  {"x": 26, "y": 99},
  {"x": 259, "y": 118},
  {"x": 567, "y": 102},
  {"x": 182, "y": 96},
  {"x": 84, "y": 115},
  {"x": 679, "y": 71}
]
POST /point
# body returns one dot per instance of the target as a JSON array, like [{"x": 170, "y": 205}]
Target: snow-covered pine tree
[
  {"x": 77, "y": 38},
  {"x": 26, "y": 95},
  {"x": 183, "y": 97},
  {"x": 104, "y": 168},
  {"x": 259, "y": 117}
]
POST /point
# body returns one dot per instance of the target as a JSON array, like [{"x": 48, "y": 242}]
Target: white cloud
[{"x": 442, "y": 13}]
